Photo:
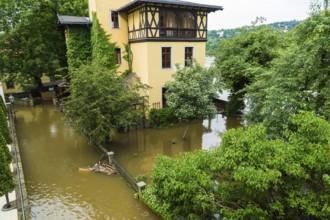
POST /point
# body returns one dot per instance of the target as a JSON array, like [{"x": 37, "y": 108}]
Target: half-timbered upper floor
[{"x": 166, "y": 20}]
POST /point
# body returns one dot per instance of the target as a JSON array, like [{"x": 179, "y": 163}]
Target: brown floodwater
[{"x": 52, "y": 153}]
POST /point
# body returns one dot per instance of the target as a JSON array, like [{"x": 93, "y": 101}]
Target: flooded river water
[{"x": 52, "y": 153}]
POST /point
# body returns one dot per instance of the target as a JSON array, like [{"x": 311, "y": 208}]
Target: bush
[{"x": 162, "y": 117}]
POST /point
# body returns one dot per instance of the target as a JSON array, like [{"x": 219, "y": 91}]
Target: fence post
[
  {"x": 110, "y": 156},
  {"x": 141, "y": 185}
]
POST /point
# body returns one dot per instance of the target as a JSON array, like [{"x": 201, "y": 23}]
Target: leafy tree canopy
[
  {"x": 30, "y": 45},
  {"x": 241, "y": 59},
  {"x": 299, "y": 79},
  {"x": 215, "y": 37},
  {"x": 191, "y": 93},
  {"x": 7, "y": 183},
  {"x": 249, "y": 176},
  {"x": 4, "y": 129},
  {"x": 3, "y": 105},
  {"x": 100, "y": 101}
]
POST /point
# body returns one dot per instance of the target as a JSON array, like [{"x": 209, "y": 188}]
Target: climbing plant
[
  {"x": 78, "y": 45},
  {"x": 103, "y": 49}
]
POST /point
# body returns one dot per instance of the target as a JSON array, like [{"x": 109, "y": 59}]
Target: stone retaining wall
[{"x": 19, "y": 177}]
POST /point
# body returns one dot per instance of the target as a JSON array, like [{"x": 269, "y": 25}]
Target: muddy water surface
[{"x": 52, "y": 153}]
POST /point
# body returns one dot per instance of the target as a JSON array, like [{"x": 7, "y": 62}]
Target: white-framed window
[{"x": 166, "y": 54}]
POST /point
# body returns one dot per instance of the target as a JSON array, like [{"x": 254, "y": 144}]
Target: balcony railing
[{"x": 177, "y": 32}]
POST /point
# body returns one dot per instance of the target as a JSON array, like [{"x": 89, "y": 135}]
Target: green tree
[
  {"x": 100, "y": 101},
  {"x": 182, "y": 188},
  {"x": 299, "y": 79},
  {"x": 30, "y": 45},
  {"x": 250, "y": 176},
  {"x": 214, "y": 36},
  {"x": 3, "y": 105},
  {"x": 7, "y": 183},
  {"x": 191, "y": 93},
  {"x": 4, "y": 129},
  {"x": 260, "y": 178},
  {"x": 239, "y": 60}
]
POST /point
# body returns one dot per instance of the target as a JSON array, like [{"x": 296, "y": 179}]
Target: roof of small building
[
  {"x": 132, "y": 4},
  {"x": 67, "y": 19}
]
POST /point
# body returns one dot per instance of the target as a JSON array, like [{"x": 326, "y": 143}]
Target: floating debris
[{"x": 102, "y": 168}]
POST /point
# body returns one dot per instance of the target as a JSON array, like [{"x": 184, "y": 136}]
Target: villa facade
[{"x": 161, "y": 34}]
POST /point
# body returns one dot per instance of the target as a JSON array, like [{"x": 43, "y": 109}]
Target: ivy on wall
[
  {"x": 103, "y": 49},
  {"x": 79, "y": 49}
]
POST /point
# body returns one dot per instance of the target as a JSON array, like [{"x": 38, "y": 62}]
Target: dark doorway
[{"x": 164, "y": 101}]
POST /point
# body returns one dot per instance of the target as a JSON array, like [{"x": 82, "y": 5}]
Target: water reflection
[
  {"x": 52, "y": 153},
  {"x": 137, "y": 149}
]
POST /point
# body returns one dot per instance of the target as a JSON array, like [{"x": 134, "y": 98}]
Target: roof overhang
[
  {"x": 181, "y": 4},
  {"x": 73, "y": 20}
]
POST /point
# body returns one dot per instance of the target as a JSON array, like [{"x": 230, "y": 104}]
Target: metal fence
[
  {"x": 156, "y": 105},
  {"x": 130, "y": 180}
]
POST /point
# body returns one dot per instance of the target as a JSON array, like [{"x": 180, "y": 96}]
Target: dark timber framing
[{"x": 149, "y": 22}]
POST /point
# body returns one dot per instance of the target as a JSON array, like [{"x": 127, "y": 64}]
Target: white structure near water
[{"x": 209, "y": 62}]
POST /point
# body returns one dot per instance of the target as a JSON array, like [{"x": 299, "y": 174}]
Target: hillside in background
[{"x": 214, "y": 36}]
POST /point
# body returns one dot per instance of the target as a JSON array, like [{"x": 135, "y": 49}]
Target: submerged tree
[
  {"x": 299, "y": 79},
  {"x": 241, "y": 59},
  {"x": 100, "y": 101},
  {"x": 191, "y": 93},
  {"x": 249, "y": 176}
]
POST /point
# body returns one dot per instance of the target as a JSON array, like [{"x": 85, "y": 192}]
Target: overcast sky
[{"x": 238, "y": 13}]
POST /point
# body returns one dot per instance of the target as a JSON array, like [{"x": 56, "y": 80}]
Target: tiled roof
[
  {"x": 66, "y": 19},
  {"x": 132, "y": 4}
]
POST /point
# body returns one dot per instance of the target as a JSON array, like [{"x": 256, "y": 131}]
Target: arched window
[
  {"x": 187, "y": 20},
  {"x": 168, "y": 21},
  {"x": 187, "y": 25}
]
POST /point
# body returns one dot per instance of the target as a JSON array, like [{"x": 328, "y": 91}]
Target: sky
[{"x": 238, "y": 13}]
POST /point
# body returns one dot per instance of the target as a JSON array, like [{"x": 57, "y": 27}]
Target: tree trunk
[
  {"x": 38, "y": 81},
  {"x": 7, "y": 201},
  {"x": 185, "y": 132}
]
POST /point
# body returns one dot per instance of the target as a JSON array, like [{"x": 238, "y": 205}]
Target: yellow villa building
[{"x": 160, "y": 33}]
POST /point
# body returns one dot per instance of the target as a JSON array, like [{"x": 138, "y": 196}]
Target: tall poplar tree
[
  {"x": 7, "y": 183},
  {"x": 4, "y": 129}
]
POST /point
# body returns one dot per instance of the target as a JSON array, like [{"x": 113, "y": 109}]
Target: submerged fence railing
[
  {"x": 137, "y": 186},
  {"x": 129, "y": 179}
]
